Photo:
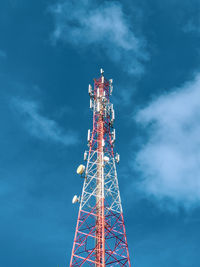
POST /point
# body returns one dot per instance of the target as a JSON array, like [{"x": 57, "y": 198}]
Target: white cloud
[
  {"x": 40, "y": 126},
  {"x": 85, "y": 23},
  {"x": 2, "y": 54},
  {"x": 191, "y": 26},
  {"x": 170, "y": 159}
]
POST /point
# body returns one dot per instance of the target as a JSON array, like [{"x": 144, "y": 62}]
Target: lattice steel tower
[{"x": 100, "y": 237}]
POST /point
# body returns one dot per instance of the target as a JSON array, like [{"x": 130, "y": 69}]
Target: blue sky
[{"x": 49, "y": 52}]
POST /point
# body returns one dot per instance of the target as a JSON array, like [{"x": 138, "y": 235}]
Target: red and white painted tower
[{"x": 100, "y": 237}]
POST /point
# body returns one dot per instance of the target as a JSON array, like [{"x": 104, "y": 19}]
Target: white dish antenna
[
  {"x": 80, "y": 170},
  {"x": 106, "y": 159},
  {"x": 75, "y": 199}
]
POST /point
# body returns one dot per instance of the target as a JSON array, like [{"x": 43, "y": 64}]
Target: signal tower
[{"x": 100, "y": 237}]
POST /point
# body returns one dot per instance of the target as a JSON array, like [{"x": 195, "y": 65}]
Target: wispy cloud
[
  {"x": 191, "y": 26},
  {"x": 41, "y": 126},
  {"x": 86, "y": 23},
  {"x": 191, "y": 22},
  {"x": 169, "y": 161},
  {"x": 2, "y": 54}
]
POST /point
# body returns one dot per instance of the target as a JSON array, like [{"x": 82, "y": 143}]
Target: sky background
[{"x": 49, "y": 52}]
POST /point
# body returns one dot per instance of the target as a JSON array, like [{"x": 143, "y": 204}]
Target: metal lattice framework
[{"x": 100, "y": 237}]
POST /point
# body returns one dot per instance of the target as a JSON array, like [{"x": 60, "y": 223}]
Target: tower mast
[{"x": 100, "y": 237}]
